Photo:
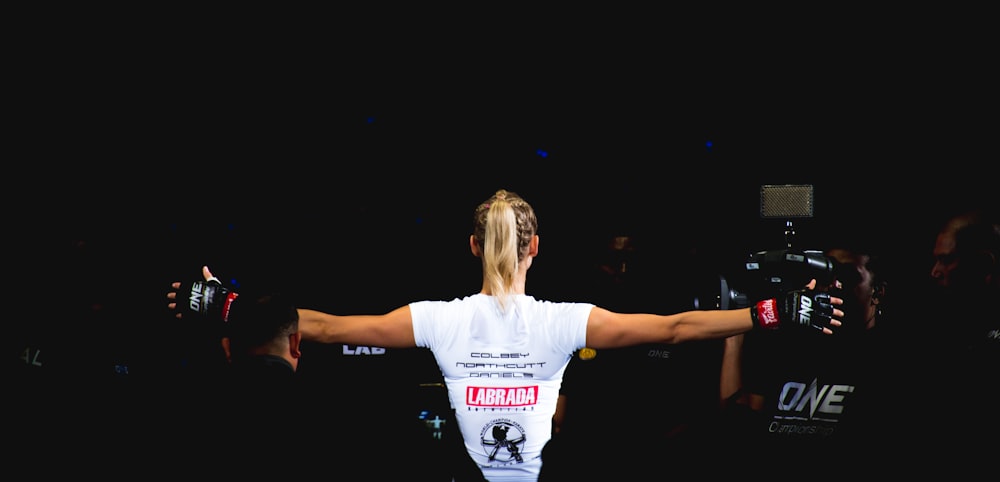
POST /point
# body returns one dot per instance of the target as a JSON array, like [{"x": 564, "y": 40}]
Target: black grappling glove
[
  {"x": 804, "y": 308},
  {"x": 209, "y": 299}
]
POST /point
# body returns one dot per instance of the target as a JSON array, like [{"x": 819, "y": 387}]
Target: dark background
[{"x": 343, "y": 164}]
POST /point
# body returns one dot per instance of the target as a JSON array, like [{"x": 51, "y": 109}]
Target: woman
[{"x": 503, "y": 352}]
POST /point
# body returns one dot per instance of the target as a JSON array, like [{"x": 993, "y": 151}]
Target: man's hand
[
  {"x": 207, "y": 298},
  {"x": 803, "y": 308}
]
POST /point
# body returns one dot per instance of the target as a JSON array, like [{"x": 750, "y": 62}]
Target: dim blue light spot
[
  {"x": 708, "y": 146},
  {"x": 541, "y": 153}
]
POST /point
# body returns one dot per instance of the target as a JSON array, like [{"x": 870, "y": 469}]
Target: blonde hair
[{"x": 503, "y": 227}]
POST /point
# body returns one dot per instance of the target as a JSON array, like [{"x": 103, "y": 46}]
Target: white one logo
[
  {"x": 826, "y": 399},
  {"x": 805, "y": 310}
]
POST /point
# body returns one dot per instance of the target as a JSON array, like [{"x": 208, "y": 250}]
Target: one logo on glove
[
  {"x": 195, "y": 300},
  {"x": 805, "y": 310}
]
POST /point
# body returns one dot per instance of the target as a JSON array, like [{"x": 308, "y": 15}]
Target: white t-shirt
[{"x": 503, "y": 372}]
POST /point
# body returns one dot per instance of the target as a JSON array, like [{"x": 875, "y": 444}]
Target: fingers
[
  {"x": 172, "y": 307},
  {"x": 207, "y": 274},
  {"x": 172, "y": 295},
  {"x": 834, "y": 322},
  {"x": 812, "y": 284},
  {"x": 836, "y": 313},
  {"x": 827, "y": 331}
]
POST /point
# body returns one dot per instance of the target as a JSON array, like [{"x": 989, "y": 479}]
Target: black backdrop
[{"x": 345, "y": 168}]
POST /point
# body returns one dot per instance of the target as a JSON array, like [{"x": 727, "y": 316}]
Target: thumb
[{"x": 207, "y": 274}]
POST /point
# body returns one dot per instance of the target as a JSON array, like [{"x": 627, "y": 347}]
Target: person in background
[
  {"x": 960, "y": 361},
  {"x": 965, "y": 278},
  {"x": 262, "y": 344},
  {"x": 261, "y": 341},
  {"x": 831, "y": 397},
  {"x": 602, "y": 413}
]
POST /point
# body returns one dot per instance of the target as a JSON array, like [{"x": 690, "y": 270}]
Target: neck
[
  {"x": 275, "y": 351},
  {"x": 517, "y": 289}
]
